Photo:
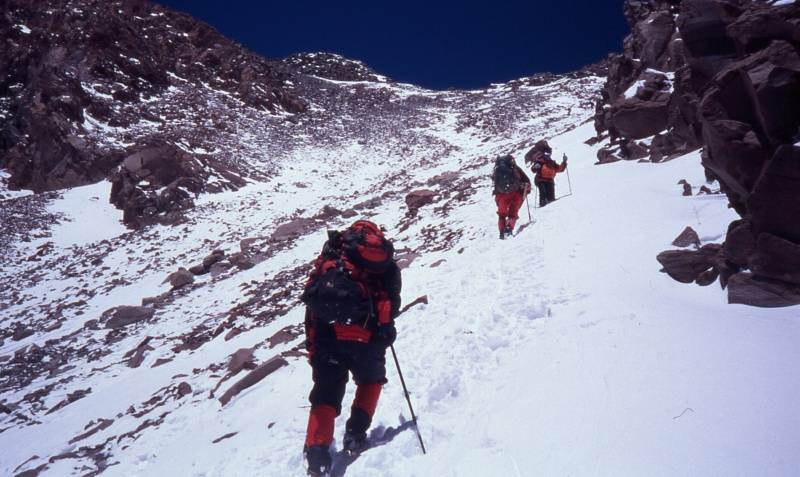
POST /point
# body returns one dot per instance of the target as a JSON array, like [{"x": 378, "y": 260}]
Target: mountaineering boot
[
  {"x": 355, "y": 443},
  {"x": 509, "y": 231},
  {"x": 355, "y": 435},
  {"x": 318, "y": 459},
  {"x": 502, "y": 235}
]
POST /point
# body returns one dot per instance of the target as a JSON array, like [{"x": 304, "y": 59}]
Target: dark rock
[
  {"x": 775, "y": 202},
  {"x": 219, "y": 268},
  {"x": 22, "y": 332},
  {"x": 180, "y": 278},
  {"x": 253, "y": 377},
  {"x": 368, "y": 204},
  {"x": 349, "y": 214},
  {"x": 328, "y": 212},
  {"x": 708, "y": 277},
  {"x": 632, "y": 150},
  {"x": 122, "y": 316},
  {"x": 285, "y": 335},
  {"x": 293, "y": 229},
  {"x": 607, "y": 156},
  {"x": 404, "y": 258},
  {"x": 76, "y": 75},
  {"x": 184, "y": 389},
  {"x": 215, "y": 257},
  {"x": 686, "y": 266},
  {"x": 776, "y": 258},
  {"x": 740, "y": 243},
  {"x": 687, "y": 238},
  {"x": 634, "y": 118},
  {"x": 136, "y": 356},
  {"x": 241, "y": 261},
  {"x": 241, "y": 359},
  {"x": 687, "y": 189},
  {"x": 419, "y": 198},
  {"x": 746, "y": 289}
]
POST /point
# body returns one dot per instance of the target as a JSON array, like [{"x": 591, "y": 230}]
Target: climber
[
  {"x": 545, "y": 169},
  {"x": 352, "y": 298},
  {"x": 511, "y": 187}
]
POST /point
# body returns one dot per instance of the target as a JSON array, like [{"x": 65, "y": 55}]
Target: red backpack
[{"x": 339, "y": 290}]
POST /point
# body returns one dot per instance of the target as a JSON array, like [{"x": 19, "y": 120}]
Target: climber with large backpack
[
  {"x": 545, "y": 169},
  {"x": 352, "y": 298},
  {"x": 511, "y": 186}
]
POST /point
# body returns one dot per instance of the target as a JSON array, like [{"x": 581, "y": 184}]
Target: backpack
[
  {"x": 340, "y": 293},
  {"x": 505, "y": 175}
]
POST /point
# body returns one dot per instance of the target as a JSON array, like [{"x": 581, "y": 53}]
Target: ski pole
[{"x": 408, "y": 399}]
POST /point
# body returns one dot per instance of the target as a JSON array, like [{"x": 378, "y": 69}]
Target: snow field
[{"x": 560, "y": 351}]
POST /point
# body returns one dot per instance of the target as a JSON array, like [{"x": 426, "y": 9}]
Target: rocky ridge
[{"x": 725, "y": 76}]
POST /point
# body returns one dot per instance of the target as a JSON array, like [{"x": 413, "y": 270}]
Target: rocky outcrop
[
  {"x": 332, "y": 66},
  {"x": 731, "y": 83},
  {"x": 646, "y": 93},
  {"x": 71, "y": 70},
  {"x": 156, "y": 183}
]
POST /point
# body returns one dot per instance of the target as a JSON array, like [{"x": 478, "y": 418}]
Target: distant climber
[
  {"x": 511, "y": 186},
  {"x": 545, "y": 169},
  {"x": 352, "y": 298}
]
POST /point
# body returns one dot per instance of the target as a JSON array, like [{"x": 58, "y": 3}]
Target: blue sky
[{"x": 437, "y": 44}]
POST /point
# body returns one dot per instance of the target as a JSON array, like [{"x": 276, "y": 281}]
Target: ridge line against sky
[{"x": 435, "y": 44}]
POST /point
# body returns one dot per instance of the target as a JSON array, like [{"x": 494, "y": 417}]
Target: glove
[
  {"x": 565, "y": 158},
  {"x": 385, "y": 335}
]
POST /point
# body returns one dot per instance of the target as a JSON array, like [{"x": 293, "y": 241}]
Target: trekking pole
[
  {"x": 569, "y": 181},
  {"x": 528, "y": 205},
  {"x": 408, "y": 399}
]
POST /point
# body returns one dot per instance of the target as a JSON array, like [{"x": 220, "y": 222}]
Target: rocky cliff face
[
  {"x": 724, "y": 75},
  {"x": 74, "y": 72}
]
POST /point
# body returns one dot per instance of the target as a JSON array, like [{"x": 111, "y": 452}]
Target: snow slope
[{"x": 561, "y": 351}]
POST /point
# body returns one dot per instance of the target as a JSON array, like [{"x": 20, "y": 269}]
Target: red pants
[
  {"x": 321, "y": 419},
  {"x": 508, "y": 205}
]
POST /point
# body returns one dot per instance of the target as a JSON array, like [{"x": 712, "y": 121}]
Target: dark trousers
[
  {"x": 331, "y": 366},
  {"x": 547, "y": 192}
]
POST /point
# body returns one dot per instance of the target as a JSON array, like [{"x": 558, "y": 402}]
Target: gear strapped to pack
[
  {"x": 506, "y": 177},
  {"x": 339, "y": 293}
]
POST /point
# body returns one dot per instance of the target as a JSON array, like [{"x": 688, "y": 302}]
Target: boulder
[
  {"x": 121, "y": 316},
  {"x": 184, "y": 389},
  {"x": 687, "y": 238},
  {"x": 241, "y": 359},
  {"x": 686, "y": 266},
  {"x": 419, "y": 198},
  {"x": 635, "y": 118},
  {"x": 241, "y": 261},
  {"x": 774, "y": 205},
  {"x": 746, "y": 289},
  {"x": 180, "y": 278},
  {"x": 253, "y": 377},
  {"x": 776, "y": 258},
  {"x": 293, "y": 229},
  {"x": 740, "y": 243}
]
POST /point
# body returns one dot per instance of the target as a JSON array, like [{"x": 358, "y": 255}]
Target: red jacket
[{"x": 544, "y": 166}]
